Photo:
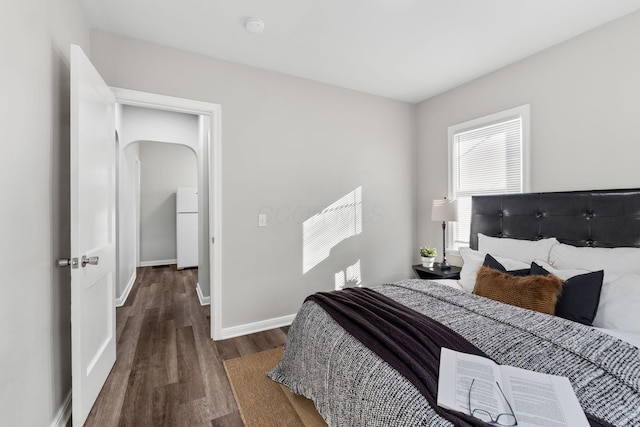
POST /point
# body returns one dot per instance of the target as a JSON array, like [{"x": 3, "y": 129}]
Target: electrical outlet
[{"x": 262, "y": 220}]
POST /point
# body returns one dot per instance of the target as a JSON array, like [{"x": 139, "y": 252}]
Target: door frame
[{"x": 214, "y": 112}]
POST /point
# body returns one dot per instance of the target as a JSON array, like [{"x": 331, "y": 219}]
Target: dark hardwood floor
[{"x": 168, "y": 370}]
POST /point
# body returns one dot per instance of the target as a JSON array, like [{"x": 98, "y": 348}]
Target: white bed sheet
[{"x": 629, "y": 337}]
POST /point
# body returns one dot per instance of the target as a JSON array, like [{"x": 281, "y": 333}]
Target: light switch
[{"x": 262, "y": 220}]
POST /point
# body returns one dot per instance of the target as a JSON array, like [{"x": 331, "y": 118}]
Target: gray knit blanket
[{"x": 351, "y": 386}]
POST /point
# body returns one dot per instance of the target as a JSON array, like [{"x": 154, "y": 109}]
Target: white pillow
[
  {"x": 521, "y": 250},
  {"x": 619, "y": 306},
  {"x": 614, "y": 260},
  {"x": 562, "y": 274},
  {"x": 473, "y": 261}
]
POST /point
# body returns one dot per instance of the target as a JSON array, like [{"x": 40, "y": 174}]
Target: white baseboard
[
  {"x": 250, "y": 328},
  {"x": 203, "y": 300},
  {"x": 158, "y": 262},
  {"x": 123, "y": 298},
  {"x": 64, "y": 413}
]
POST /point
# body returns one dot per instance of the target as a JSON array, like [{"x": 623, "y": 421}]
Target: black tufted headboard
[{"x": 599, "y": 218}]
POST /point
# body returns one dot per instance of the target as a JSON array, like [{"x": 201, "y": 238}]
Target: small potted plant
[{"x": 428, "y": 256}]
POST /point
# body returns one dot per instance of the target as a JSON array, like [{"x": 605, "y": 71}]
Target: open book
[{"x": 478, "y": 386}]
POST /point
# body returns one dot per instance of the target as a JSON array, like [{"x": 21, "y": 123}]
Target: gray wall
[
  {"x": 165, "y": 167},
  {"x": 585, "y": 104},
  {"x": 35, "y": 360},
  {"x": 290, "y": 146}
]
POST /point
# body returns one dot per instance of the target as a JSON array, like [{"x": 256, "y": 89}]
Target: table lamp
[{"x": 444, "y": 210}]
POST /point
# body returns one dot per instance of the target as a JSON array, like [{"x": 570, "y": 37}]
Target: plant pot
[{"x": 428, "y": 262}]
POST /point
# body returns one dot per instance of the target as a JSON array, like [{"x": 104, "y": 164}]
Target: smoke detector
[{"x": 254, "y": 25}]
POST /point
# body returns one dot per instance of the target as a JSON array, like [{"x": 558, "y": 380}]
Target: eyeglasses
[{"x": 484, "y": 415}]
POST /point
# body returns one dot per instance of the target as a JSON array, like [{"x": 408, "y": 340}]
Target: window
[{"x": 486, "y": 156}]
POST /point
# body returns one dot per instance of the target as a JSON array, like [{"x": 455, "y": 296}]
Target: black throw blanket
[{"x": 407, "y": 340}]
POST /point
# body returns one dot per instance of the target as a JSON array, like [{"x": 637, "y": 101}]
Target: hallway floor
[{"x": 168, "y": 370}]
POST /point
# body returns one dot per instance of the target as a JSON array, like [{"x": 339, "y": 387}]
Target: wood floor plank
[
  {"x": 259, "y": 342},
  {"x": 112, "y": 398},
  {"x": 136, "y": 407},
  {"x": 121, "y": 319},
  {"x": 150, "y": 277},
  {"x": 155, "y": 295},
  {"x": 166, "y": 406},
  {"x": 142, "y": 296},
  {"x": 147, "y": 338},
  {"x": 227, "y": 349},
  {"x": 167, "y": 354},
  {"x": 182, "y": 306},
  {"x": 232, "y": 420},
  {"x": 263, "y": 341},
  {"x": 168, "y": 370},
  {"x": 189, "y": 370},
  {"x": 167, "y": 306},
  {"x": 167, "y": 301},
  {"x": 182, "y": 283},
  {"x": 245, "y": 345},
  {"x": 219, "y": 396},
  {"x": 127, "y": 343},
  {"x": 197, "y": 412},
  {"x": 275, "y": 338},
  {"x": 138, "y": 399}
]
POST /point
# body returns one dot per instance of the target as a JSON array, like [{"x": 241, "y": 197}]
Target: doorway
[
  {"x": 207, "y": 149},
  {"x": 168, "y": 230}
]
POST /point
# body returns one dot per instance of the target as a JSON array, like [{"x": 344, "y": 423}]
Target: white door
[{"x": 93, "y": 340}]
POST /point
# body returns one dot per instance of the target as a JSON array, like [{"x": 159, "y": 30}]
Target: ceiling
[{"x": 407, "y": 50}]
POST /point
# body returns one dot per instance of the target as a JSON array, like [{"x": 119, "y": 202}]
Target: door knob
[
  {"x": 92, "y": 260},
  {"x": 68, "y": 262}
]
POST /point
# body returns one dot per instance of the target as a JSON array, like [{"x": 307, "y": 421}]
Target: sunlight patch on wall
[
  {"x": 323, "y": 231},
  {"x": 340, "y": 280},
  {"x": 352, "y": 278}
]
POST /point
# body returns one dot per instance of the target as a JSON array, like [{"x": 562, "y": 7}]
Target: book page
[
  {"x": 542, "y": 400},
  {"x": 457, "y": 371},
  {"x": 534, "y": 398}
]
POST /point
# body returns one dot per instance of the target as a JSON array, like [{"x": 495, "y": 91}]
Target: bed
[{"x": 352, "y": 385}]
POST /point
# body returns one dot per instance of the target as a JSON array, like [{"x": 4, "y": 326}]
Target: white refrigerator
[{"x": 187, "y": 226}]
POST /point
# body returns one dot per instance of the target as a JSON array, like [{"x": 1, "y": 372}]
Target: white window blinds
[{"x": 486, "y": 157}]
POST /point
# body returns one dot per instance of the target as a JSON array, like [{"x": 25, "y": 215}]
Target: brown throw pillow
[{"x": 539, "y": 293}]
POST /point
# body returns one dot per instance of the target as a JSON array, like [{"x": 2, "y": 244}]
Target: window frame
[{"x": 524, "y": 113}]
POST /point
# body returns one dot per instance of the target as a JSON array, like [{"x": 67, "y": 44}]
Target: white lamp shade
[{"x": 444, "y": 210}]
